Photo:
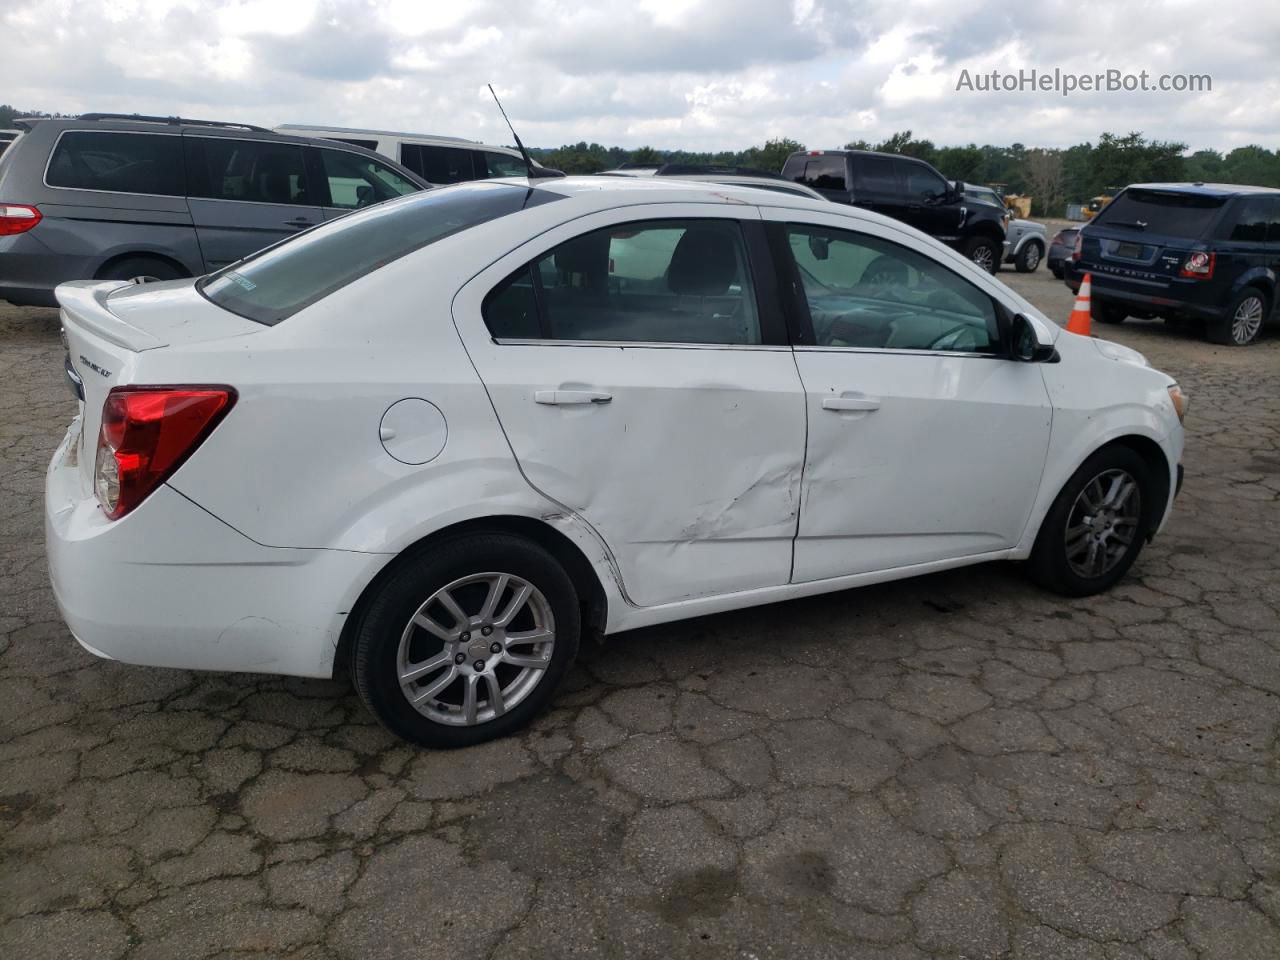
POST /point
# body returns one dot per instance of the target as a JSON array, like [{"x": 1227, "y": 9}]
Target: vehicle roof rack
[
  {"x": 690, "y": 169},
  {"x": 313, "y": 127},
  {"x": 172, "y": 121}
]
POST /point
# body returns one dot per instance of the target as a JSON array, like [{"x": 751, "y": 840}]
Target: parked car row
[{"x": 1205, "y": 253}]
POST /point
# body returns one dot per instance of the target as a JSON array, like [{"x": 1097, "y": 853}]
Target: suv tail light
[
  {"x": 1199, "y": 266},
  {"x": 147, "y": 433},
  {"x": 17, "y": 218},
  {"x": 1078, "y": 248}
]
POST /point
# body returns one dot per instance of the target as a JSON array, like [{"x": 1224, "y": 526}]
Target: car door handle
[
  {"x": 299, "y": 222},
  {"x": 566, "y": 397},
  {"x": 851, "y": 403}
]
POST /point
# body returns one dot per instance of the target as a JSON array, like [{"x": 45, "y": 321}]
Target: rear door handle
[
  {"x": 851, "y": 403},
  {"x": 299, "y": 222},
  {"x": 566, "y": 397}
]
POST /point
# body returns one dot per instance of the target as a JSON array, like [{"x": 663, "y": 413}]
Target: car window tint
[
  {"x": 923, "y": 182},
  {"x": 357, "y": 181},
  {"x": 1251, "y": 218},
  {"x": 866, "y": 292},
  {"x": 657, "y": 281},
  {"x": 876, "y": 175},
  {"x": 1174, "y": 214},
  {"x": 439, "y": 164},
  {"x": 824, "y": 172},
  {"x": 277, "y": 282},
  {"x": 119, "y": 162},
  {"x": 1273, "y": 224},
  {"x": 502, "y": 165},
  {"x": 254, "y": 171}
]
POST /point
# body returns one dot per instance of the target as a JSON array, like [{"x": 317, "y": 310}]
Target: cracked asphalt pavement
[{"x": 955, "y": 766}]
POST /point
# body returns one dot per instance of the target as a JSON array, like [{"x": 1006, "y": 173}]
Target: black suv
[
  {"x": 1184, "y": 251},
  {"x": 906, "y": 189}
]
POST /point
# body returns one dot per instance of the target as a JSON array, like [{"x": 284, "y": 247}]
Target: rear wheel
[
  {"x": 468, "y": 641},
  {"x": 983, "y": 252},
  {"x": 142, "y": 270},
  {"x": 1028, "y": 258},
  {"x": 1241, "y": 323},
  {"x": 1096, "y": 526}
]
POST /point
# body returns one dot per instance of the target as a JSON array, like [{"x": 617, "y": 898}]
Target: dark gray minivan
[{"x": 110, "y": 196}]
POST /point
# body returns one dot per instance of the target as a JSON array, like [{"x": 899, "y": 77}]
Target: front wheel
[
  {"x": 467, "y": 641},
  {"x": 1095, "y": 528},
  {"x": 1028, "y": 258},
  {"x": 983, "y": 252},
  {"x": 1241, "y": 323}
]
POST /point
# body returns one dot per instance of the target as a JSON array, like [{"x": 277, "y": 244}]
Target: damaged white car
[{"x": 439, "y": 440}]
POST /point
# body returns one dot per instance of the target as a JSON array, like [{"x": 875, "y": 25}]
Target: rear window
[
  {"x": 1172, "y": 214},
  {"x": 277, "y": 282},
  {"x": 823, "y": 172},
  {"x": 118, "y": 162}
]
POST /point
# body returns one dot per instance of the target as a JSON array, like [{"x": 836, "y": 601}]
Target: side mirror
[
  {"x": 957, "y": 191},
  {"x": 820, "y": 247},
  {"x": 1024, "y": 346}
]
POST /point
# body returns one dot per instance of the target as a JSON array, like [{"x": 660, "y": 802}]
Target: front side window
[
  {"x": 869, "y": 293},
  {"x": 118, "y": 162},
  {"x": 356, "y": 181},
  {"x": 657, "y": 281},
  {"x": 253, "y": 171},
  {"x": 924, "y": 184},
  {"x": 277, "y": 282}
]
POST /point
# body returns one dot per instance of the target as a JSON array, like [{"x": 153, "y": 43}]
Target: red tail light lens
[
  {"x": 1078, "y": 248},
  {"x": 1199, "y": 266},
  {"x": 147, "y": 433},
  {"x": 17, "y": 218}
]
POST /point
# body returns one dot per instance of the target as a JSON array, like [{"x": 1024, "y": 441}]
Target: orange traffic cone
[{"x": 1081, "y": 318}]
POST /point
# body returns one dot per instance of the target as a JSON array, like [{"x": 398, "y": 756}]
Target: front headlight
[{"x": 1180, "y": 401}]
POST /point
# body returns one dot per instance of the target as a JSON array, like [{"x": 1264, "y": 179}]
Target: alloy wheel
[
  {"x": 984, "y": 257},
  {"x": 1247, "y": 320},
  {"x": 475, "y": 649},
  {"x": 1033, "y": 257},
  {"x": 1103, "y": 523}
]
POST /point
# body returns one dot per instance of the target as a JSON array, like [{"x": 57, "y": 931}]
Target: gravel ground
[{"x": 956, "y": 766}]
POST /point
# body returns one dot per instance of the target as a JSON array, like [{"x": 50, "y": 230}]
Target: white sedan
[{"x": 439, "y": 440}]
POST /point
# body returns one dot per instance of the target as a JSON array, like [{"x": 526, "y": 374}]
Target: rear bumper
[
  {"x": 29, "y": 270},
  {"x": 170, "y": 585},
  {"x": 1194, "y": 301}
]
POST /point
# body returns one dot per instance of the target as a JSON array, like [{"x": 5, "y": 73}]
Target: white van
[{"x": 436, "y": 159}]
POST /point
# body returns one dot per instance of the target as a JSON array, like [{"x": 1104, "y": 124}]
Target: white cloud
[{"x": 701, "y": 74}]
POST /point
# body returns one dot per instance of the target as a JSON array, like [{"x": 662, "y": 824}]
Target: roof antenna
[{"x": 533, "y": 171}]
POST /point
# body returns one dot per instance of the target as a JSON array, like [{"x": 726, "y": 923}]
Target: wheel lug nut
[
  {"x": 466, "y": 637},
  {"x": 479, "y": 665},
  {"x": 485, "y": 631},
  {"x": 495, "y": 647},
  {"x": 459, "y": 658}
]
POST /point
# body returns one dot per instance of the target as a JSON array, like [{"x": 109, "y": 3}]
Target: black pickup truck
[{"x": 906, "y": 189}]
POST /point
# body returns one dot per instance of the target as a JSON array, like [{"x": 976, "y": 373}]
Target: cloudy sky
[{"x": 697, "y": 74}]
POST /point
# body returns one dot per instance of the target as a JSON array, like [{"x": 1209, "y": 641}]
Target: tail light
[
  {"x": 1078, "y": 248},
  {"x": 1199, "y": 266},
  {"x": 17, "y": 218},
  {"x": 147, "y": 433}
]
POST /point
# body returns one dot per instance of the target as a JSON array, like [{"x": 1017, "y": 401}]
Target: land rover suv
[
  {"x": 906, "y": 189},
  {"x": 1203, "y": 252},
  {"x": 116, "y": 197}
]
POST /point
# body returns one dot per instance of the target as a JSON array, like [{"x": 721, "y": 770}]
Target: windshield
[
  {"x": 277, "y": 282},
  {"x": 1170, "y": 213}
]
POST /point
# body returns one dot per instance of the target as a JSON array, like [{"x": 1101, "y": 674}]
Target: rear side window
[
  {"x": 277, "y": 282},
  {"x": 356, "y": 181},
  {"x": 824, "y": 172},
  {"x": 1251, "y": 219},
  {"x": 1173, "y": 214},
  {"x": 254, "y": 171},
  {"x": 118, "y": 162},
  {"x": 876, "y": 175},
  {"x": 655, "y": 281},
  {"x": 441, "y": 164}
]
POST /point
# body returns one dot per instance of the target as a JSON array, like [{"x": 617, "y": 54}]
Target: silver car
[{"x": 1025, "y": 241}]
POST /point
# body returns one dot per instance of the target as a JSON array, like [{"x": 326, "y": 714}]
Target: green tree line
[{"x": 1052, "y": 176}]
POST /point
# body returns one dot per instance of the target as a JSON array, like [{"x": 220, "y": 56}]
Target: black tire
[
  {"x": 1103, "y": 311},
  {"x": 149, "y": 268},
  {"x": 1049, "y": 565},
  {"x": 1230, "y": 330},
  {"x": 375, "y": 651},
  {"x": 983, "y": 251},
  {"x": 1028, "y": 257},
  {"x": 1056, "y": 270}
]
